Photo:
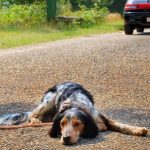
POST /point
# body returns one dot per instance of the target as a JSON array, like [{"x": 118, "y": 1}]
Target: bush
[
  {"x": 63, "y": 7},
  {"x": 19, "y": 2},
  {"x": 87, "y": 17},
  {"x": 35, "y": 14},
  {"x": 91, "y": 16},
  {"x": 23, "y": 15}
]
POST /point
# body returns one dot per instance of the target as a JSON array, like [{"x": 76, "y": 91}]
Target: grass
[{"x": 14, "y": 37}]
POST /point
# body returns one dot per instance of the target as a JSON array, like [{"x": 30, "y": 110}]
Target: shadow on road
[
  {"x": 133, "y": 116},
  {"x": 144, "y": 33},
  {"x": 15, "y": 107},
  {"x": 102, "y": 137}
]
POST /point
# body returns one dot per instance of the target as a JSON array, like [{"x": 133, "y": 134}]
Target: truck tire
[
  {"x": 140, "y": 29},
  {"x": 128, "y": 29}
]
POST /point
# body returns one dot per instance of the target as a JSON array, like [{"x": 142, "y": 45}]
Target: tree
[
  {"x": 117, "y": 6},
  {"x": 77, "y": 3}
]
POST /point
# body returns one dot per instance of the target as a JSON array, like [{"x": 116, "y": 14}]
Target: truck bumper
[{"x": 137, "y": 18}]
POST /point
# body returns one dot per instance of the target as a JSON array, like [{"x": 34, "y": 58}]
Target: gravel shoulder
[{"x": 114, "y": 67}]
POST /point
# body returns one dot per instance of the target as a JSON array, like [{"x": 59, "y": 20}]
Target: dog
[{"x": 71, "y": 108}]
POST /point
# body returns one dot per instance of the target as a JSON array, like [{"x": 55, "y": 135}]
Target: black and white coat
[{"x": 65, "y": 96}]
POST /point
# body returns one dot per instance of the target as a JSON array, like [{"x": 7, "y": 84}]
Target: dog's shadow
[
  {"x": 132, "y": 116},
  {"x": 15, "y": 107},
  {"x": 101, "y": 137}
]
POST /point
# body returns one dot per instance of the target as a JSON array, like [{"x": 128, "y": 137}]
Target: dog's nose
[{"x": 66, "y": 139}]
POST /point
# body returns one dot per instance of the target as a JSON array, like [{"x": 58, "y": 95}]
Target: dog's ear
[
  {"x": 55, "y": 130},
  {"x": 91, "y": 129}
]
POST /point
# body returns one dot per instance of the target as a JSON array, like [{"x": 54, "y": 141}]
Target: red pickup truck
[{"x": 136, "y": 16}]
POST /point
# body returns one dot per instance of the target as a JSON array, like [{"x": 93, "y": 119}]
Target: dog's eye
[
  {"x": 76, "y": 124},
  {"x": 62, "y": 123}
]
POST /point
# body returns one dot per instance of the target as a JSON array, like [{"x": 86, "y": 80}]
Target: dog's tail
[
  {"x": 124, "y": 128},
  {"x": 14, "y": 119}
]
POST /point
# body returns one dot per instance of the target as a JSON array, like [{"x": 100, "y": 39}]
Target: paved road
[{"x": 114, "y": 67}]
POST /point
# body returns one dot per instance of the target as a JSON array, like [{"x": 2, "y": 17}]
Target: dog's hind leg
[
  {"x": 124, "y": 128},
  {"x": 14, "y": 119},
  {"x": 98, "y": 120},
  {"x": 44, "y": 109}
]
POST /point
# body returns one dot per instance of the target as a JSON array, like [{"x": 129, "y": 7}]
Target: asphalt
[{"x": 115, "y": 68}]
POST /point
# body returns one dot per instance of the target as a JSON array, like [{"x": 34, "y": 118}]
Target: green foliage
[
  {"x": 23, "y": 15},
  {"x": 91, "y": 16},
  {"x": 33, "y": 12},
  {"x": 117, "y": 6},
  {"x": 9, "y": 2},
  {"x": 85, "y": 17},
  {"x": 77, "y": 3},
  {"x": 104, "y": 3},
  {"x": 113, "y": 5},
  {"x": 63, "y": 6}
]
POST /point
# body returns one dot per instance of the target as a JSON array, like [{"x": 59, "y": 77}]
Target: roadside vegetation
[{"x": 24, "y": 22}]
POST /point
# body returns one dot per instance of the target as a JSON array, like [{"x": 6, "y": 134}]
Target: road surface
[{"x": 114, "y": 67}]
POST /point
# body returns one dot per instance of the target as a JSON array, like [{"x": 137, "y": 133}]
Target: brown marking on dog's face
[{"x": 71, "y": 129}]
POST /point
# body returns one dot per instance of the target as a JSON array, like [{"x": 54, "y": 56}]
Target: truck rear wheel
[
  {"x": 140, "y": 29},
  {"x": 128, "y": 29}
]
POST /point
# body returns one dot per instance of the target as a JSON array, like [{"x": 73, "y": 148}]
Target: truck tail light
[{"x": 131, "y": 7}]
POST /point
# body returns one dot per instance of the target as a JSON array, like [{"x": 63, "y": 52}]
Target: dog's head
[{"x": 72, "y": 124}]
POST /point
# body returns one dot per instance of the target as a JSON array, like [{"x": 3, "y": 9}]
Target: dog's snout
[{"x": 66, "y": 139}]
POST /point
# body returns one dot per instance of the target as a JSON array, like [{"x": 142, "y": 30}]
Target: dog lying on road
[{"x": 74, "y": 115}]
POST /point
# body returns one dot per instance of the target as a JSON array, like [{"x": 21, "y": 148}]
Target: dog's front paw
[
  {"x": 64, "y": 107},
  {"x": 34, "y": 120}
]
